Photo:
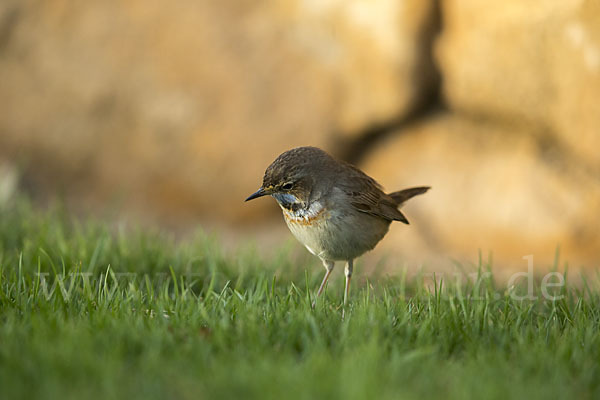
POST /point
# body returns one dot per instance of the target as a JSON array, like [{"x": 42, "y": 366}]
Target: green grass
[{"x": 90, "y": 312}]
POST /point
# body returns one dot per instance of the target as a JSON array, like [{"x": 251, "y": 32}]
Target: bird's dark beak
[{"x": 259, "y": 193}]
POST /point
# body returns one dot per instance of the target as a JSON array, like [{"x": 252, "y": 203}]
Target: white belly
[{"x": 334, "y": 235}]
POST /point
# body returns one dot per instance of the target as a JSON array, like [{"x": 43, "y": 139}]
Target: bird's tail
[{"x": 401, "y": 196}]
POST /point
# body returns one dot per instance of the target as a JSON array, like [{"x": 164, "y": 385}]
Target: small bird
[{"x": 334, "y": 209}]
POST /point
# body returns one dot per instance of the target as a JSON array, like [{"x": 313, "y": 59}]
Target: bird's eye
[{"x": 287, "y": 186}]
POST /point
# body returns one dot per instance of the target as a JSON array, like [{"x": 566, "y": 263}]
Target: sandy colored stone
[
  {"x": 531, "y": 61},
  {"x": 178, "y": 107},
  {"x": 494, "y": 189}
]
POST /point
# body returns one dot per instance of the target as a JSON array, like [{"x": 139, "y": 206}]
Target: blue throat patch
[{"x": 287, "y": 201}]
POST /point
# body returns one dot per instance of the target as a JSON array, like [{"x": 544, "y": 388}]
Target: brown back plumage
[
  {"x": 367, "y": 195},
  {"x": 310, "y": 166}
]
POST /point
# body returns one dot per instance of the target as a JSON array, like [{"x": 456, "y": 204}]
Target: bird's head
[{"x": 290, "y": 179}]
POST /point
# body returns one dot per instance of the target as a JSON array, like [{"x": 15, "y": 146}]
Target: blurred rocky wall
[{"x": 172, "y": 110}]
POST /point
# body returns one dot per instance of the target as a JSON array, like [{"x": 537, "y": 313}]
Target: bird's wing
[{"x": 366, "y": 196}]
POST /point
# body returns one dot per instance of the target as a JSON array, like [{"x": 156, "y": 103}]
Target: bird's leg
[
  {"x": 348, "y": 273},
  {"x": 329, "y": 267}
]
